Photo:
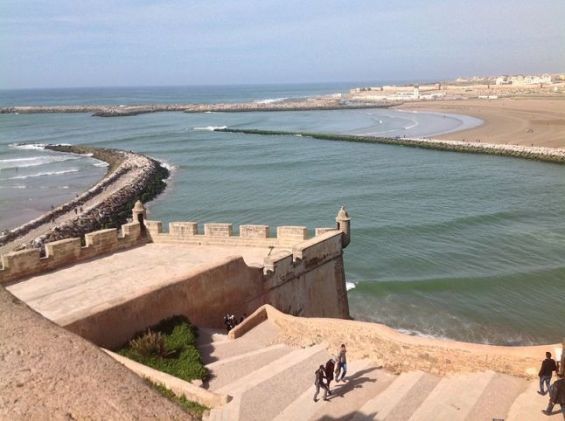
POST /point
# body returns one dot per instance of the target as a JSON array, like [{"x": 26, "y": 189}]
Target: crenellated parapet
[
  {"x": 294, "y": 250},
  {"x": 223, "y": 234},
  {"x": 28, "y": 262}
]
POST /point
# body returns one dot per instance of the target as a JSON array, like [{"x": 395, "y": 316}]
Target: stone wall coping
[
  {"x": 178, "y": 386},
  {"x": 396, "y": 351}
]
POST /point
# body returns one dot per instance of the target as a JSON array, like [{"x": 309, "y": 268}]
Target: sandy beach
[{"x": 519, "y": 121}]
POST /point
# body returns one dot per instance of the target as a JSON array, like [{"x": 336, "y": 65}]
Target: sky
[{"x": 80, "y": 43}]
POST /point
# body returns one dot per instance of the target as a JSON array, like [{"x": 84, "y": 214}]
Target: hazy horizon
[{"x": 66, "y": 44}]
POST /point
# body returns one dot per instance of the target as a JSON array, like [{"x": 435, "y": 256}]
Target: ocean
[{"x": 451, "y": 245}]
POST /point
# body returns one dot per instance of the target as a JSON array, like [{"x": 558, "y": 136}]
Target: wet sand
[{"x": 518, "y": 121}]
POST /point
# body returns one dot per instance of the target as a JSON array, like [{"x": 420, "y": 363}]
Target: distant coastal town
[{"x": 481, "y": 87}]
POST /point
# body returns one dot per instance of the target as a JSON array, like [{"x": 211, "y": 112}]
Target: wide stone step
[
  {"x": 228, "y": 370},
  {"x": 453, "y": 398},
  {"x": 364, "y": 380},
  {"x": 266, "y": 392},
  {"x": 399, "y": 401},
  {"x": 497, "y": 398},
  {"x": 261, "y": 336},
  {"x": 208, "y": 336},
  {"x": 529, "y": 404}
]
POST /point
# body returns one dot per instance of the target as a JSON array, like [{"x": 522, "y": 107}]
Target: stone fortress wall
[
  {"x": 299, "y": 275},
  {"x": 29, "y": 262}
]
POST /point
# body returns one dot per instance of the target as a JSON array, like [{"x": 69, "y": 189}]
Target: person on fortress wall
[
  {"x": 341, "y": 368},
  {"x": 556, "y": 395},
  {"x": 319, "y": 382},
  {"x": 548, "y": 366}
]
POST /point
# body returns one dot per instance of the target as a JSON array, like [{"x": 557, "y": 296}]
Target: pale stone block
[
  {"x": 102, "y": 238},
  {"x": 183, "y": 229},
  {"x": 320, "y": 231},
  {"x": 292, "y": 233},
  {"x": 218, "y": 230},
  {"x": 132, "y": 230},
  {"x": 254, "y": 231},
  {"x": 23, "y": 260},
  {"x": 64, "y": 249},
  {"x": 154, "y": 227}
]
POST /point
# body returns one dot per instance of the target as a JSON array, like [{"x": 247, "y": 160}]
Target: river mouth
[{"x": 462, "y": 246}]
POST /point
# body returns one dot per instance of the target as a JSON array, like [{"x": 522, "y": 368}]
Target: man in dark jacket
[
  {"x": 319, "y": 382},
  {"x": 556, "y": 395},
  {"x": 548, "y": 366},
  {"x": 330, "y": 365}
]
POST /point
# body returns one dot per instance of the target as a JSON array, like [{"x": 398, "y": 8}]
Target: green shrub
[
  {"x": 151, "y": 343},
  {"x": 170, "y": 347}
]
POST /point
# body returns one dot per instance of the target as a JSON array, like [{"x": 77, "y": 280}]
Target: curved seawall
[
  {"x": 107, "y": 204},
  {"x": 539, "y": 153}
]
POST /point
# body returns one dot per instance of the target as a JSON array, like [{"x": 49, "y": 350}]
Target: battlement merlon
[
  {"x": 222, "y": 234},
  {"x": 292, "y": 239}
]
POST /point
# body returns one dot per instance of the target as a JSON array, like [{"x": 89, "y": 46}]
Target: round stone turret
[
  {"x": 344, "y": 225},
  {"x": 138, "y": 212}
]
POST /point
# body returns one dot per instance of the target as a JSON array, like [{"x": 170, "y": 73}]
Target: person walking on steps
[
  {"x": 319, "y": 382},
  {"x": 341, "y": 369},
  {"x": 556, "y": 395},
  {"x": 329, "y": 370},
  {"x": 548, "y": 366}
]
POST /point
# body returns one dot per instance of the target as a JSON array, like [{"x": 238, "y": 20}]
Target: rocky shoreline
[
  {"x": 309, "y": 104},
  {"x": 538, "y": 153},
  {"x": 107, "y": 204}
]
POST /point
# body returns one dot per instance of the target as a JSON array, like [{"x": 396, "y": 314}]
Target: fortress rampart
[
  {"x": 231, "y": 273},
  {"x": 24, "y": 263}
]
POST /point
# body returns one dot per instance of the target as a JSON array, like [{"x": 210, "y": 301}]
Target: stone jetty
[
  {"x": 538, "y": 153},
  {"x": 307, "y": 104},
  {"x": 131, "y": 176}
]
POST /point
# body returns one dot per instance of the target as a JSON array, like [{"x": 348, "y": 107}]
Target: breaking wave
[
  {"x": 33, "y": 161},
  {"x": 350, "y": 285},
  {"x": 28, "y": 146},
  {"x": 209, "y": 128},
  {"x": 44, "y": 174},
  {"x": 270, "y": 100}
]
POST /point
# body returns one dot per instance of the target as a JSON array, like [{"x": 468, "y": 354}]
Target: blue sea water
[{"x": 445, "y": 244}]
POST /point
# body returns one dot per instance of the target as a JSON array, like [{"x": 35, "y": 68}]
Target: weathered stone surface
[{"x": 47, "y": 372}]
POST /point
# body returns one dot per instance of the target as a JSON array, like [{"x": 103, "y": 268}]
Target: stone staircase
[{"x": 270, "y": 381}]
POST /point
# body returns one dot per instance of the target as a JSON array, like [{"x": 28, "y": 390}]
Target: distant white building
[
  {"x": 502, "y": 80},
  {"x": 530, "y": 79}
]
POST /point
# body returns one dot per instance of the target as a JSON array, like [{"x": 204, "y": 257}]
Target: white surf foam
[
  {"x": 420, "y": 334},
  {"x": 44, "y": 174},
  {"x": 101, "y": 164},
  {"x": 350, "y": 285},
  {"x": 33, "y": 161},
  {"x": 270, "y": 100},
  {"x": 28, "y": 146},
  {"x": 209, "y": 128},
  {"x": 168, "y": 166}
]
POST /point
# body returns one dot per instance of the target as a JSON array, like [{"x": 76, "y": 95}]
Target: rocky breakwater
[
  {"x": 107, "y": 204},
  {"x": 302, "y": 104},
  {"x": 539, "y": 153}
]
